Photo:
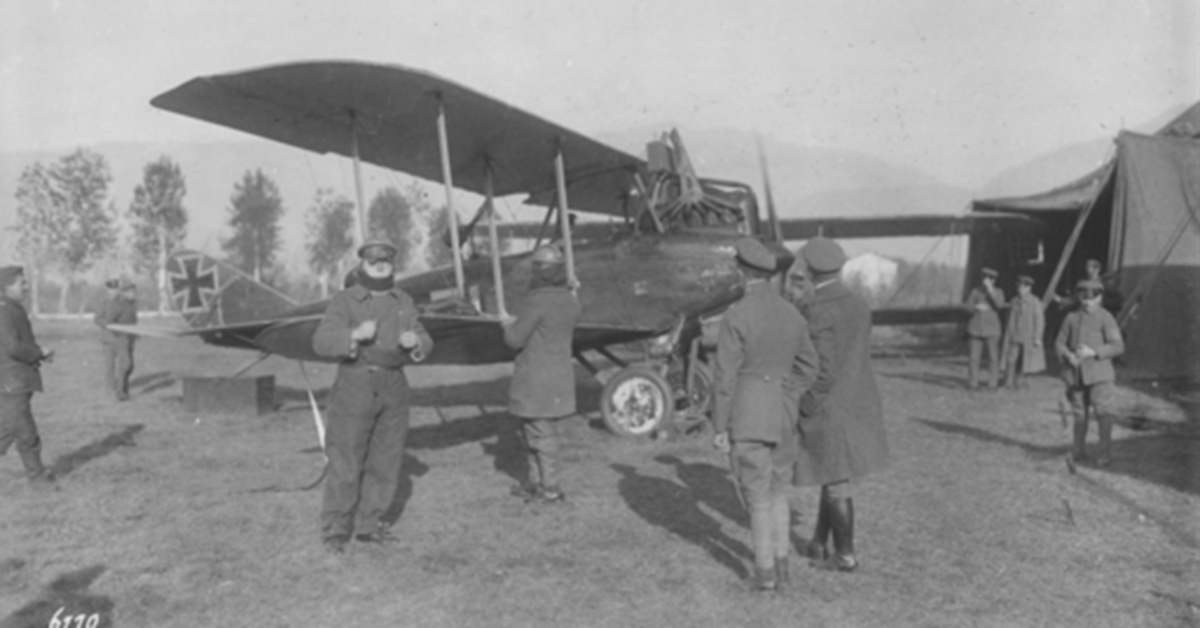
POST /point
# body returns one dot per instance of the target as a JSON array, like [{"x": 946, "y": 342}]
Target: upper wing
[{"x": 314, "y": 105}]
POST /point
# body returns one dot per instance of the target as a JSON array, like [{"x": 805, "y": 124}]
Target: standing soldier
[
  {"x": 1087, "y": 342},
  {"x": 20, "y": 358},
  {"x": 985, "y": 302},
  {"x": 762, "y": 338},
  {"x": 1023, "y": 334},
  {"x": 120, "y": 308},
  {"x": 372, "y": 328},
  {"x": 542, "y": 389},
  {"x": 842, "y": 437}
]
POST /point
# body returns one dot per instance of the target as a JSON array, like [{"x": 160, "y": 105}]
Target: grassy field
[{"x": 976, "y": 523}]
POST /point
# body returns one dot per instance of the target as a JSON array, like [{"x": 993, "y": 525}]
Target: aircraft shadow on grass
[
  {"x": 675, "y": 507},
  {"x": 1169, "y": 455},
  {"x": 67, "y": 596},
  {"x": 485, "y": 395},
  {"x": 68, "y": 462}
]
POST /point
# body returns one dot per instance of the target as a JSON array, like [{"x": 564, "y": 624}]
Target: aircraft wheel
[{"x": 636, "y": 402}]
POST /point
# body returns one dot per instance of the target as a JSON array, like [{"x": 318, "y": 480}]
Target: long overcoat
[
  {"x": 842, "y": 435},
  {"x": 1026, "y": 327},
  {"x": 543, "y": 381},
  {"x": 764, "y": 355},
  {"x": 20, "y": 355}
]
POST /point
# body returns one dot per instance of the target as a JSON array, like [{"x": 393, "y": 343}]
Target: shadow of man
[
  {"x": 676, "y": 508},
  {"x": 713, "y": 485},
  {"x": 68, "y": 462},
  {"x": 65, "y": 600},
  {"x": 410, "y": 468}
]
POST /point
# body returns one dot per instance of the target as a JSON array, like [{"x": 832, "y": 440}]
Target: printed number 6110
[{"x": 80, "y": 621}]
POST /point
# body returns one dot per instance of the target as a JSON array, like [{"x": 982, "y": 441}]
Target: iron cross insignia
[{"x": 193, "y": 283}]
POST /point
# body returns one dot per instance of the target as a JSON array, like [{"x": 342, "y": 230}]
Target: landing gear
[{"x": 637, "y": 401}]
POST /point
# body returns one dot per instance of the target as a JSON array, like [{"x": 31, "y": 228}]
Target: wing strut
[
  {"x": 448, "y": 180},
  {"x": 564, "y": 216},
  {"x": 360, "y": 215},
  {"x": 497, "y": 271}
]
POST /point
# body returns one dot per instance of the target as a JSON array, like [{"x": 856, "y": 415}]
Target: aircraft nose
[{"x": 783, "y": 257}]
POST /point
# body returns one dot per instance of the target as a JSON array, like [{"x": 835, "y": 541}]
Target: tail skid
[{"x": 211, "y": 293}]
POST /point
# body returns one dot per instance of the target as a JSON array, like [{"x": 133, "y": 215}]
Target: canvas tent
[{"x": 1139, "y": 214}]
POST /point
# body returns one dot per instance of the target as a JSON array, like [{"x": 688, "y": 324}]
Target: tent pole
[
  {"x": 497, "y": 273},
  {"x": 1069, "y": 247},
  {"x": 448, "y": 180},
  {"x": 564, "y": 217}
]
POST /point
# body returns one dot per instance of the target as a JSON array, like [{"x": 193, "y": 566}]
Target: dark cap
[
  {"x": 9, "y": 274},
  {"x": 377, "y": 249},
  {"x": 823, "y": 255},
  {"x": 1025, "y": 279},
  {"x": 547, "y": 254},
  {"x": 1089, "y": 284},
  {"x": 989, "y": 272},
  {"x": 752, "y": 253}
]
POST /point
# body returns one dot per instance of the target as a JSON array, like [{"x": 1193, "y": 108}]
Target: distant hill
[{"x": 1066, "y": 164}]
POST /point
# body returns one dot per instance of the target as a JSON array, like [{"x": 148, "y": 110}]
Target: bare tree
[
  {"x": 65, "y": 218},
  {"x": 159, "y": 220},
  {"x": 390, "y": 215},
  {"x": 255, "y": 209},
  {"x": 330, "y": 236}
]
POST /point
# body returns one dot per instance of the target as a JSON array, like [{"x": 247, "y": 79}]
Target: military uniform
[
  {"x": 20, "y": 378},
  {"x": 368, "y": 407},
  {"x": 983, "y": 330},
  {"x": 1090, "y": 387},
  {"x": 542, "y": 389},
  {"x": 1023, "y": 337},
  {"x": 119, "y": 309},
  {"x": 763, "y": 353},
  {"x": 842, "y": 437}
]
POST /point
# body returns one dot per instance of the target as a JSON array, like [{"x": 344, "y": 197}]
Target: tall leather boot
[
  {"x": 1106, "y": 425},
  {"x": 815, "y": 548},
  {"x": 841, "y": 516},
  {"x": 37, "y": 472},
  {"x": 1080, "y": 430}
]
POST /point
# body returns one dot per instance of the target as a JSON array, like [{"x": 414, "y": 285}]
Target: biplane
[{"x": 660, "y": 267}]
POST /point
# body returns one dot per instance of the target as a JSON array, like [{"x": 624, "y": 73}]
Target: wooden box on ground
[{"x": 229, "y": 395}]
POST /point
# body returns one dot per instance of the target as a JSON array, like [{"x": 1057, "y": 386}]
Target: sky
[{"x": 960, "y": 89}]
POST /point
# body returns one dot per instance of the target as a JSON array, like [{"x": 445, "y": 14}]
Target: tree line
[{"x": 69, "y": 229}]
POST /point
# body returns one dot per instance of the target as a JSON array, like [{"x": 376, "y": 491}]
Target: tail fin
[{"x": 211, "y": 293}]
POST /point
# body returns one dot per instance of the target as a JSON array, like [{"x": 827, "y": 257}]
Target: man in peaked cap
[
  {"x": 542, "y": 390},
  {"x": 372, "y": 329},
  {"x": 761, "y": 339},
  {"x": 983, "y": 330},
  {"x": 120, "y": 307},
  {"x": 20, "y": 359},
  {"x": 1022, "y": 346},
  {"x": 1087, "y": 342},
  {"x": 842, "y": 437}
]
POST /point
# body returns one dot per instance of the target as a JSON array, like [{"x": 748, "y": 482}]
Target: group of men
[
  {"x": 372, "y": 329},
  {"x": 796, "y": 404},
  {"x": 1086, "y": 343}
]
